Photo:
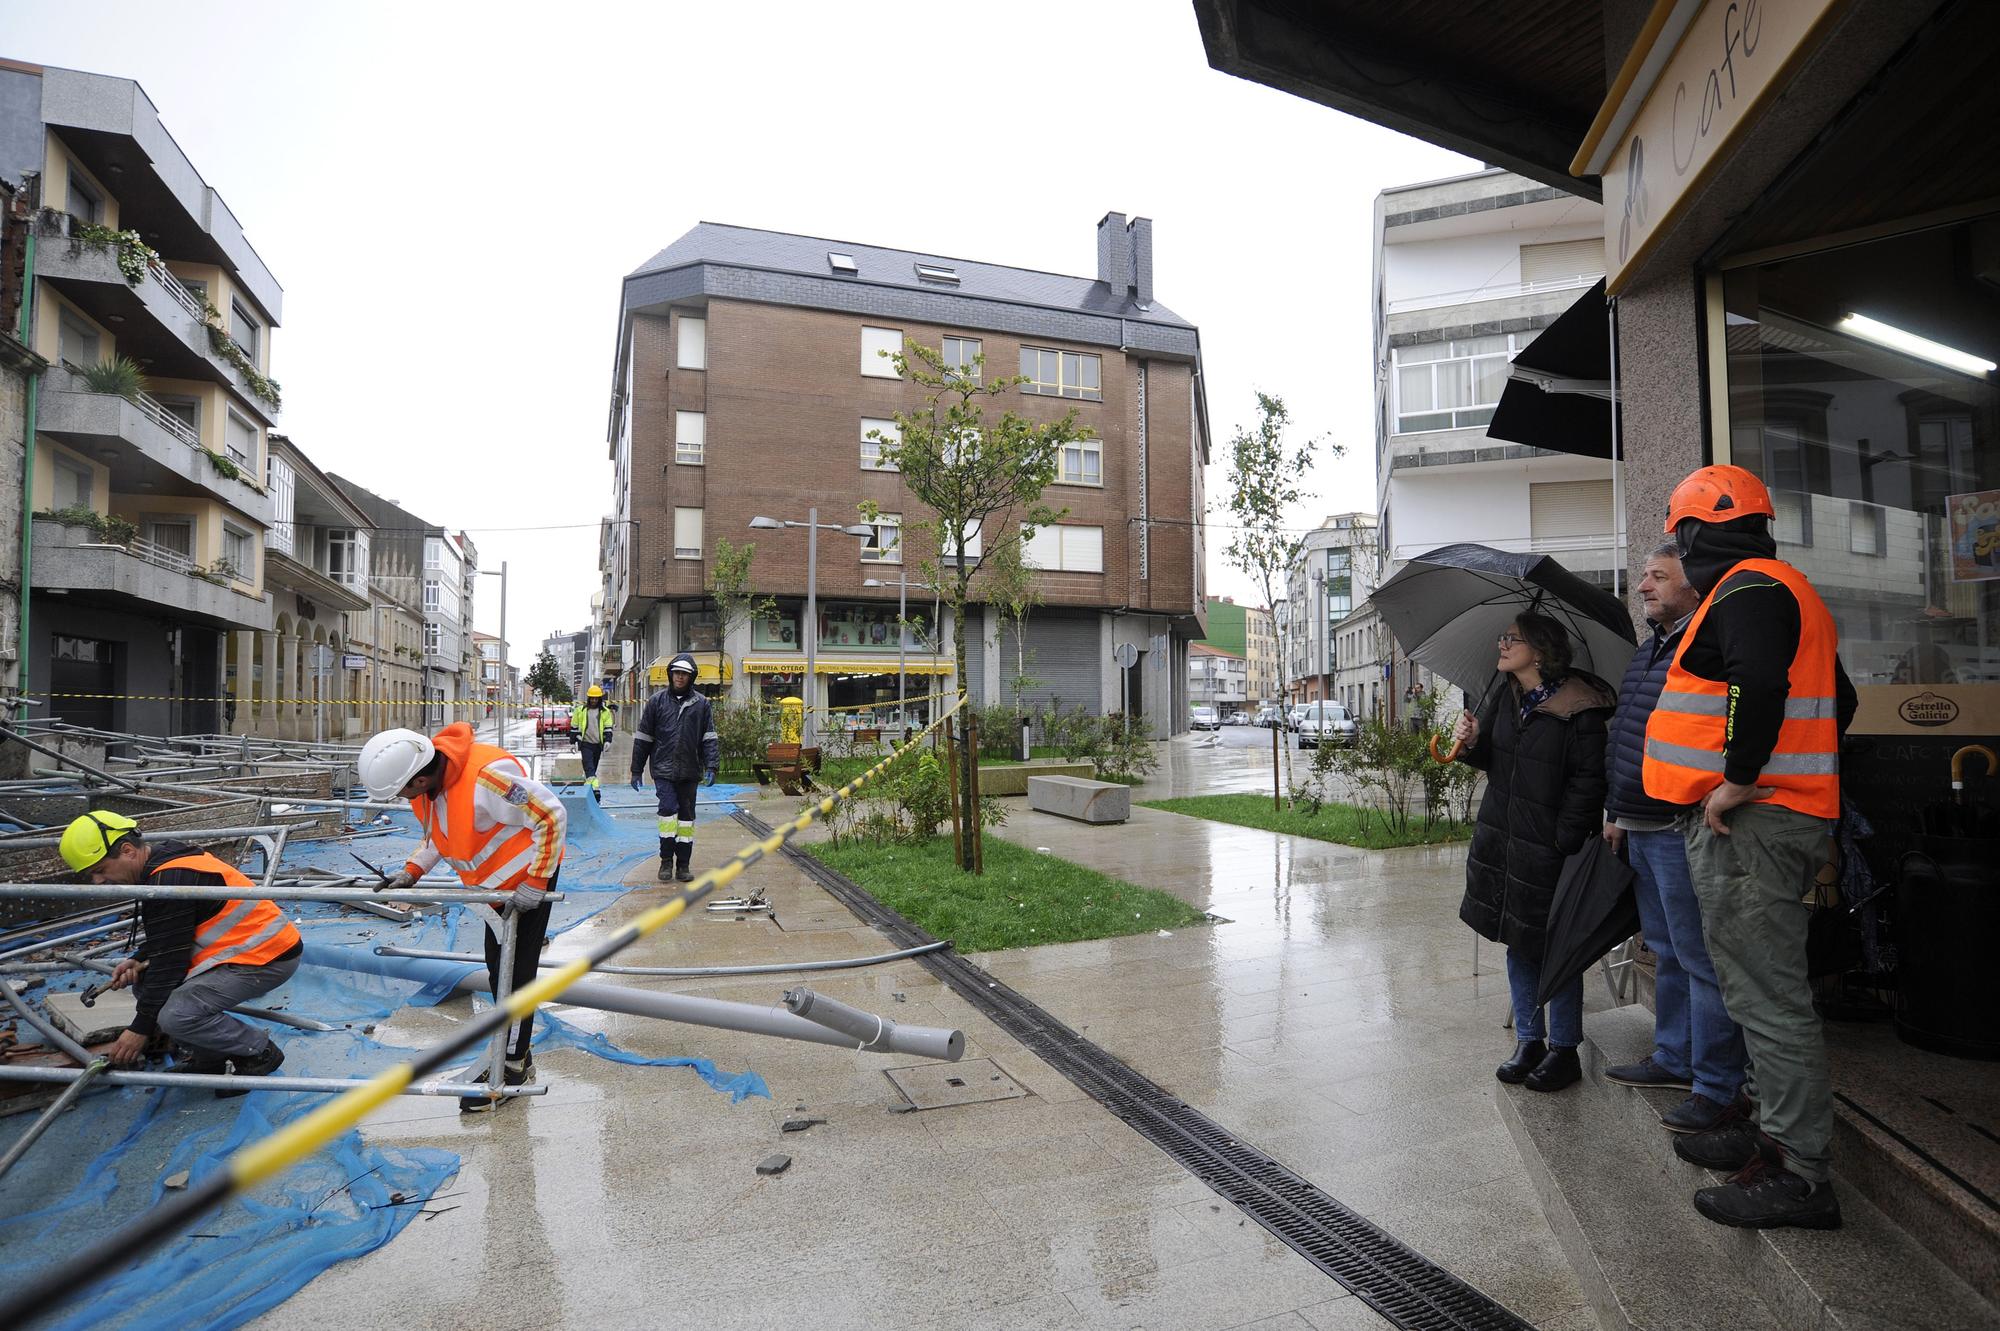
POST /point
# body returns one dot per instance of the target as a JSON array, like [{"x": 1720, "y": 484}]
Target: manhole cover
[{"x": 967, "y": 1082}]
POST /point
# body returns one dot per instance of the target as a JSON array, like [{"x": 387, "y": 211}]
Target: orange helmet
[{"x": 1718, "y": 494}]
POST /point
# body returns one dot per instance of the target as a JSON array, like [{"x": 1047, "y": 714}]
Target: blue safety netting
[{"x": 110, "y": 1156}]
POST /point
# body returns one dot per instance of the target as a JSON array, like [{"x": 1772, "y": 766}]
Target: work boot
[
  {"x": 683, "y": 858},
  {"x": 1647, "y": 1072},
  {"x": 261, "y": 1064},
  {"x": 519, "y": 1072},
  {"x": 1725, "y": 1148},
  {"x": 1527, "y": 1055},
  {"x": 187, "y": 1059},
  {"x": 1561, "y": 1068},
  {"x": 1766, "y": 1195},
  {"x": 596, "y": 792},
  {"x": 666, "y": 874}
]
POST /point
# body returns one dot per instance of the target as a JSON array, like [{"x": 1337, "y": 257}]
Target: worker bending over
[
  {"x": 677, "y": 731},
  {"x": 201, "y": 957},
  {"x": 590, "y": 723},
  {"x": 498, "y": 827}
]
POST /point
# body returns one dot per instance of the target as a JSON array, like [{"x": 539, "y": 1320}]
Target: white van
[{"x": 1319, "y": 720}]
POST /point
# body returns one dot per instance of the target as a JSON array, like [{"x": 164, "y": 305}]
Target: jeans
[
  {"x": 196, "y": 1013},
  {"x": 1692, "y": 1033},
  {"x": 529, "y": 931},
  {"x": 1565, "y": 1012}
]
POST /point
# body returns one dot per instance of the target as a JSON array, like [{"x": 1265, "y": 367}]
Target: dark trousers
[
  {"x": 529, "y": 931},
  {"x": 592, "y": 754},
  {"x": 677, "y": 815}
]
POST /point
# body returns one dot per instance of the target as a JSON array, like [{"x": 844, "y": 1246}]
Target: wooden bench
[{"x": 789, "y": 765}]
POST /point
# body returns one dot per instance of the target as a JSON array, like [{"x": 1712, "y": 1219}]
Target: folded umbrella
[{"x": 1594, "y": 911}]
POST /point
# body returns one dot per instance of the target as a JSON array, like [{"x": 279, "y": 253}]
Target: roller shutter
[
  {"x": 1562, "y": 259},
  {"x": 1567, "y": 510},
  {"x": 975, "y": 655},
  {"x": 1064, "y": 655}
]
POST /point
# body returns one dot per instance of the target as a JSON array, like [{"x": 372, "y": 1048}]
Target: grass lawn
[
  {"x": 1024, "y": 898},
  {"x": 1334, "y": 822}
]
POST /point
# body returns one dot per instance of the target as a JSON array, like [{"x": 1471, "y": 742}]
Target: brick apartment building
[{"x": 747, "y": 379}]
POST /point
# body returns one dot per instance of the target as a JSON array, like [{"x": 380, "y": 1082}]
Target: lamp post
[
  {"x": 810, "y": 629},
  {"x": 500, "y": 715}
]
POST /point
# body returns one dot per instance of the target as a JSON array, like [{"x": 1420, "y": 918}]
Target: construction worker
[
  {"x": 677, "y": 732},
  {"x": 200, "y": 958},
  {"x": 590, "y": 724},
  {"x": 1745, "y": 739},
  {"x": 498, "y": 827}
]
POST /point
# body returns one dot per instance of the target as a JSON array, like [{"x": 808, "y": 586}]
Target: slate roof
[{"x": 779, "y": 251}]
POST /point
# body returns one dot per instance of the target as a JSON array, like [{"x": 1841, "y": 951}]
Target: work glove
[
  {"x": 708, "y": 778},
  {"x": 635, "y": 781},
  {"x": 398, "y": 881},
  {"x": 526, "y": 898}
]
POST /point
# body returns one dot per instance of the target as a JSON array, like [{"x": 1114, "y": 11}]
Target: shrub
[
  {"x": 120, "y": 376},
  {"x": 743, "y": 731}
]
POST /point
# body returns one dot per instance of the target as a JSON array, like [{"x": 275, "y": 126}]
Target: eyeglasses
[{"x": 1509, "y": 640}]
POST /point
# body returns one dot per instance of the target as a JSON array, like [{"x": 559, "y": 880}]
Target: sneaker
[
  {"x": 1561, "y": 1068},
  {"x": 1763, "y": 1195},
  {"x": 1725, "y": 1148},
  {"x": 1646, "y": 1072},
  {"x": 1697, "y": 1113},
  {"x": 520, "y": 1072},
  {"x": 256, "y": 1065}
]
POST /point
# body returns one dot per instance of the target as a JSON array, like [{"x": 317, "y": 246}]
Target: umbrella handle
[
  {"x": 1970, "y": 750},
  {"x": 1457, "y": 747}
]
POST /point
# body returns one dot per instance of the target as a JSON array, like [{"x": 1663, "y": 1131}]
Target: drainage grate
[{"x": 1398, "y": 1282}]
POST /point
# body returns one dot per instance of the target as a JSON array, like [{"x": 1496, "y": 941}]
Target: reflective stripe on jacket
[
  {"x": 505, "y": 855},
  {"x": 579, "y": 721},
  {"x": 1690, "y": 728},
  {"x": 248, "y": 932}
]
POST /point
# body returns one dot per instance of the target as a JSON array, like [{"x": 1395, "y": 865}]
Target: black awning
[{"x": 1560, "y": 396}]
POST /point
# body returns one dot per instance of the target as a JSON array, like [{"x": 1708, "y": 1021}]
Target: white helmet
[{"x": 390, "y": 759}]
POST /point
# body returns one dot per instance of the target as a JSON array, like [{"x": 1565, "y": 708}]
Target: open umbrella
[
  {"x": 1593, "y": 911},
  {"x": 1448, "y": 607}
]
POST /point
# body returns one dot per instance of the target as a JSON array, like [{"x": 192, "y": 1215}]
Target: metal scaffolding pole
[
  {"x": 41, "y": 1125},
  {"x": 224, "y": 1082},
  {"x": 688, "y": 972},
  {"x": 279, "y": 891}
]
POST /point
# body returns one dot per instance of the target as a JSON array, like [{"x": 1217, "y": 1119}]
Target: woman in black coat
[{"x": 1541, "y": 745}]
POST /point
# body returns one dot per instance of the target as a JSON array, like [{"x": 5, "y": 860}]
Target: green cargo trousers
[{"x": 1752, "y": 884}]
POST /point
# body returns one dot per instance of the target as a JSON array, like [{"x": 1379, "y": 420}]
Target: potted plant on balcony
[
  {"x": 88, "y": 526},
  {"x": 120, "y": 376}
]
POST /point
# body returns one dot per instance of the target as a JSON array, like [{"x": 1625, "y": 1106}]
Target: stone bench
[
  {"x": 1084, "y": 800},
  {"x": 1013, "y": 779}
]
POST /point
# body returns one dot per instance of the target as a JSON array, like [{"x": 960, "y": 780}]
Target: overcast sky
[{"x": 449, "y": 195}]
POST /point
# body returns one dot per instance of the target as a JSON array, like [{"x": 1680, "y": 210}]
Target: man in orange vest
[
  {"x": 499, "y": 829},
  {"x": 1746, "y": 738},
  {"x": 200, "y": 958}
]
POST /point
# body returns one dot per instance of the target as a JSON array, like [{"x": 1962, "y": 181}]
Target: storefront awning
[
  {"x": 710, "y": 671},
  {"x": 1559, "y": 393},
  {"x": 843, "y": 665}
]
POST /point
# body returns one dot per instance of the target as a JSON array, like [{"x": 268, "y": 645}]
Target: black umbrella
[
  {"x": 1449, "y": 607},
  {"x": 1593, "y": 911}
]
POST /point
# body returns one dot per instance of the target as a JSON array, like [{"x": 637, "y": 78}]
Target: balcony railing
[
  {"x": 1473, "y": 295},
  {"x": 161, "y": 556},
  {"x": 167, "y": 421},
  {"x": 186, "y": 299}
]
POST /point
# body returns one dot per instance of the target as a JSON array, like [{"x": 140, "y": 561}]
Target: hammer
[{"x": 90, "y": 996}]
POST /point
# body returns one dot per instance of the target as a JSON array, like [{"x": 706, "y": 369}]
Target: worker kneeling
[
  {"x": 200, "y": 958},
  {"x": 498, "y": 827}
]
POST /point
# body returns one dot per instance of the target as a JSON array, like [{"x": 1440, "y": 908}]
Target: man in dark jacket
[
  {"x": 1696, "y": 1047},
  {"x": 677, "y": 732}
]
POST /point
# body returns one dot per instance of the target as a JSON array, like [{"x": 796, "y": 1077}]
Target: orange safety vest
[
  {"x": 485, "y": 860},
  {"x": 240, "y": 933},
  {"x": 1689, "y": 728}
]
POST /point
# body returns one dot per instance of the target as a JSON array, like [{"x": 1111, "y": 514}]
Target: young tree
[
  {"x": 546, "y": 678},
  {"x": 981, "y": 477},
  {"x": 1009, "y": 585},
  {"x": 1265, "y": 474},
  {"x": 729, "y": 589}
]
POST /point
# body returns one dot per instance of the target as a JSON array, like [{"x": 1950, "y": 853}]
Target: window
[
  {"x": 1083, "y": 462},
  {"x": 74, "y": 484},
  {"x": 692, "y": 352},
  {"x": 961, "y": 357},
  {"x": 433, "y": 594},
  {"x": 885, "y": 544},
  {"x": 842, "y": 263},
  {"x": 1451, "y": 385},
  {"x": 690, "y": 434},
  {"x": 76, "y": 340},
  {"x": 240, "y": 439},
  {"x": 937, "y": 272},
  {"x": 871, "y": 449},
  {"x": 1065, "y": 549},
  {"x": 237, "y": 552},
  {"x": 878, "y": 346},
  {"x": 278, "y": 483},
  {"x": 85, "y": 203},
  {"x": 174, "y": 535},
  {"x": 433, "y": 552},
  {"x": 1062, "y": 373},
  {"x": 186, "y": 410},
  {"x": 243, "y": 329},
  {"x": 347, "y": 556},
  {"x": 433, "y": 637},
  {"x": 687, "y": 533},
  {"x": 973, "y": 546},
  {"x": 1339, "y": 584}
]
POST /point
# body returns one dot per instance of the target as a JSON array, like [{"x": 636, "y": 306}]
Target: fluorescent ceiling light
[{"x": 1901, "y": 339}]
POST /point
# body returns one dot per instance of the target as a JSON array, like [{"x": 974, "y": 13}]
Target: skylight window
[
  {"x": 842, "y": 263},
  {"x": 937, "y": 272}
]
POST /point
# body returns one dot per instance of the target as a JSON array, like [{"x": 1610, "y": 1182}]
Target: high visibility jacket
[
  {"x": 249, "y": 932},
  {"x": 1690, "y": 725},
  {"x": 505, "y": 855},
  {"x": 580, "y": 721}
]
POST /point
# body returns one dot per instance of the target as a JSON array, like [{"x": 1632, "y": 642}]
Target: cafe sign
[{"x": 1700, "y": 72}]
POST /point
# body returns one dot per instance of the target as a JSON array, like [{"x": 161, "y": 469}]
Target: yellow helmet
[
  {"x": 91, "y": 837},
  {"x": 594, "y": 691}
]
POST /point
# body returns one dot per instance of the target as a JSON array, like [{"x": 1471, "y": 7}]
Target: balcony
[
  {"x": 283, "y": 571},
  {"x": 138, "y": 576},
  {"x": 1501, "y": 291},
  {"x": 148, "y": 449},
  {"x": 158, "y": 323}
]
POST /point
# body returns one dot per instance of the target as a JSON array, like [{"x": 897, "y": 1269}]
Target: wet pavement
[{"x": 1333, "y": 1020}]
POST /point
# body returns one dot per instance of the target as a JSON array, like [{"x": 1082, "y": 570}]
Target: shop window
[
  {"x": 778, "y": 630},
  {"x": 690, "y": 437},
  {"x": 857, "y": 626},
  {"x": 879, "y": 347},
  {"x": 1052, "y": 373},
  {"x": 876, "y": 432},
  {"x": 696, "y": 624},
  {"x": 691, "y": 352}
]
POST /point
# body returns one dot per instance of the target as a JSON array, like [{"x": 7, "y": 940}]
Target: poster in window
[{"x": 1975, "y": 535}]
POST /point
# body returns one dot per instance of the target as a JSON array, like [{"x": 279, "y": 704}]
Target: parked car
[
  {"x": 1269, "y": 717},
  {"x": 1236, "y": 719},
  {"x": 552, "y": 721},
  {"x": 1203, "y": 718},
  {"x": 1322, "y": 720}
]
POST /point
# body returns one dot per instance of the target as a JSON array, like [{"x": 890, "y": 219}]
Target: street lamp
[
  {"x": 810, "y": 629},
  {"x": 500, "y": 715}
]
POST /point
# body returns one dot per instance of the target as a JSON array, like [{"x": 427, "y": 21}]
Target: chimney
[
  {"x": 1141, "y": 246},
  {"x": 1114, "y": 253}
]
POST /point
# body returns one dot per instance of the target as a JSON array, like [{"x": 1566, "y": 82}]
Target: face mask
[{"x": 1684, "y": 535}]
